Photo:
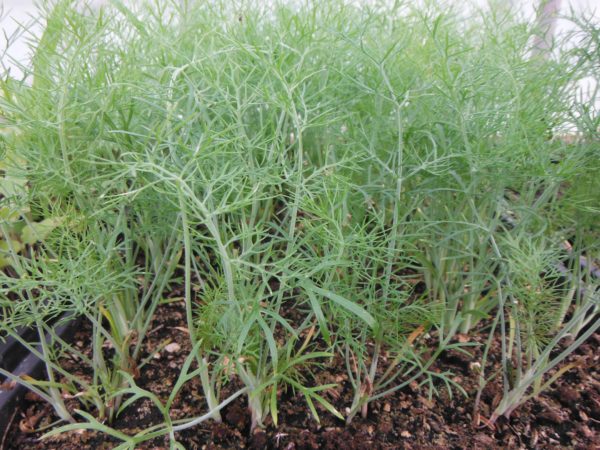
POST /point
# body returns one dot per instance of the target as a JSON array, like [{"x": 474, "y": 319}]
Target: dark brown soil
[{"x": 566, "y": 416}]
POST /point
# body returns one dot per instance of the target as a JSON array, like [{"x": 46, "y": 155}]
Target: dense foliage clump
[{"x": 386, "y": 172}]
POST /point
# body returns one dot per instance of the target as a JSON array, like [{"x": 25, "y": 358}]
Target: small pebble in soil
[{"x": 173, "y": 347}]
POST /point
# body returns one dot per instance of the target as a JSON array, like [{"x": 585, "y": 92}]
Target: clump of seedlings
[{"x": 392, "y": 175}]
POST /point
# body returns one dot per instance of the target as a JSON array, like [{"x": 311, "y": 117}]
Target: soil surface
[{"x": 567, "y": 415}]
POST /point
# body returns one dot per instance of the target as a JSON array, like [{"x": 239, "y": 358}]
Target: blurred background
[{"x": 15, "y": 46}]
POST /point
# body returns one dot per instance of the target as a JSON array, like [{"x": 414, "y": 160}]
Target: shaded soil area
[{"x": 567, "y": 415}]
